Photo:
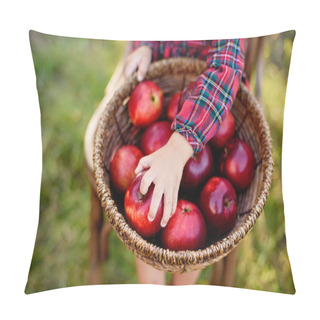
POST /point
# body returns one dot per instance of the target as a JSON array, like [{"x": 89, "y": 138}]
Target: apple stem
[
  {"x": 227, "y": 202},
  {"x": 140, "y": 195}
]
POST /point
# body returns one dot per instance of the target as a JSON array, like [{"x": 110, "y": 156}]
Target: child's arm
[
  {"x": 216, "y": 89},
  {"x": 197, "y": 122}
]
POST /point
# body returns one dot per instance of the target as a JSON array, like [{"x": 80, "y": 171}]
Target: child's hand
[
  {"x": 165, "y": 171},
  {"x": 141, "y": 59}
]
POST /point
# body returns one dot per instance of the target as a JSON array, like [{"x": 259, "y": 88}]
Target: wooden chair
[
  {"x": 100, "y": 228},
  {"x": 224, "y": 270}
]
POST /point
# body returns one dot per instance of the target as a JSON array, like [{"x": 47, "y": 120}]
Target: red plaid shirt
[{"x": 204, "y": 111}]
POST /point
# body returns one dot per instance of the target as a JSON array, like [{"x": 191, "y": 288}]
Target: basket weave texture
[{"x": 115, "y": 129}]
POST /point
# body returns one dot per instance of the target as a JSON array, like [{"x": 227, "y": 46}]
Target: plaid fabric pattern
[{"x": 204, "y": 111}]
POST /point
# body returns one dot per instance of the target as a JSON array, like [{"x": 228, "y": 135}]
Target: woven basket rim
[{"x": 140, "y": 246}]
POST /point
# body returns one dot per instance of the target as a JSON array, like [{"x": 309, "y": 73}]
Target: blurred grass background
[{"x": 71, "y": 78}]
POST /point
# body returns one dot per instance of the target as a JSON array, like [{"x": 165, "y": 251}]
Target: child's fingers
[
  {"x": 131, "y": 65},
  {"x": 167, "y": 207},
  {"x": 143, "y": 67},
  {"x": 146, "y": 181},
  {"x": 144, "y": 163},
  {"x": 139, "y": 59},
  {"x": 174, "y": 201},
  {"x": 155, "y": 201},
  {"x": 141, "y": 166}
]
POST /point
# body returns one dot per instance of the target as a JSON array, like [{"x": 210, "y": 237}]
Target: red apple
[
  {"x": 173, "y": 106},
  {"x": 145, "y": 105},
  {"x": 155, "y": 137},
  {"x": 218, "y": 202},
  {"x": 122, "y": 165},
  {"x": 197, "y": 170},
  {"x": 186, "y": 229},
  {"x": 137, "y": 207},
  {"x": 237, "y": 163},
  {"x": 186, "y": 92},
  {"x": 224, "y": 133}
]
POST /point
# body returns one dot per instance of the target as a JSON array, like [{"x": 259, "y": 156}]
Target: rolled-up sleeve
[{"x": 203, "y": 112}]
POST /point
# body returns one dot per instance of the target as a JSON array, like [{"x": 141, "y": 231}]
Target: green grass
[{"x": 71, "y": 78}]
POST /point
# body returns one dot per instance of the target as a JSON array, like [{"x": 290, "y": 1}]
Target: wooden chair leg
[
  {"x": 96, "y": 222},
  {"x": 259, "y": 71},
  {"x": 230, "y": 268},
  {"x": 104, "y": 241},
  {"x": 217, "y": 274},
  {"x": 224, "y": 270}
]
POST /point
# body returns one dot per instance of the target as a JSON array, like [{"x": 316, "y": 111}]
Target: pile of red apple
[{"x": 211, "y": 181}]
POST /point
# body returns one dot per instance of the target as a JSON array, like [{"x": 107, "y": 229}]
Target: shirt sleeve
[{"x": 204, "y": 110}]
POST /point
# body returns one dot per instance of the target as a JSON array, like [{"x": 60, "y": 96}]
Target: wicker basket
[{"x": 115, "y": 128}]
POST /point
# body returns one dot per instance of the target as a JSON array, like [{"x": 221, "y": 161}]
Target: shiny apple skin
[
  {"x": 198, "y": 170},
  {"x": 155, "y": 137},
  {"x": 224, "y": 133},
  {"x": 137, "y": 207},
  {"x": 186, "y": 229},
  {"x": 145, "y": 105},
  {"x": 237, "y": 163},
  {"x": 218, "y": 203},
  {"x": 173, "y": 106},
  {"x": 122, "y": 165}
]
